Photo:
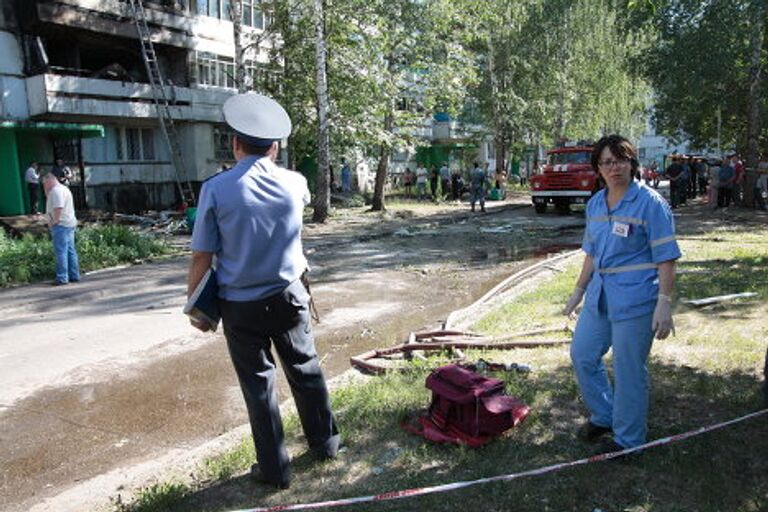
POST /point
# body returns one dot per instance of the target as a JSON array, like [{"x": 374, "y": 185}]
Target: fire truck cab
[{"x": 566, "y": 178}]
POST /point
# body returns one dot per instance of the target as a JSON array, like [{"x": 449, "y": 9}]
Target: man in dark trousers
[
  {"x": 676, "y": 183},
  {"x": 250, "y": 218},
  {"x": 32, "y": 179}
]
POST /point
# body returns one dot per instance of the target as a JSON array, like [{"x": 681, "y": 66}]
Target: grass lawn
[{"x": 709, "y": 372}]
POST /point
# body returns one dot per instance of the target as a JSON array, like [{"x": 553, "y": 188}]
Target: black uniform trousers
[
  {"x": 32, "y": 188},
  {"x": 251, "y": 328}
]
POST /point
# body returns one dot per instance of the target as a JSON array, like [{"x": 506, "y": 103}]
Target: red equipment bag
[{"x": 468, "y": 408}]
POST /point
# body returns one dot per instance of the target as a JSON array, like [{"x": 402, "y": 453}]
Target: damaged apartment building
[{"x": 75, "y": 86}]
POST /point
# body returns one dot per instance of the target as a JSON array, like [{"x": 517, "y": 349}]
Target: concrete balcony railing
[{"x": 55, "y": 96}]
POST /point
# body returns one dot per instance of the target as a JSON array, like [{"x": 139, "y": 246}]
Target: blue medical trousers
[
  {"x": 624, "y": 407},
  {"x": 67, "y": 264}
]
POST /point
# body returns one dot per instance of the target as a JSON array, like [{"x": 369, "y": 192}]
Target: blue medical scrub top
[
  {"x": 251, "y": 218},
  {"x": 626, "y": 244}
]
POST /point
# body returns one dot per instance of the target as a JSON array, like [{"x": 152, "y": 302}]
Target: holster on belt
[{"x": 312, "y": 309}]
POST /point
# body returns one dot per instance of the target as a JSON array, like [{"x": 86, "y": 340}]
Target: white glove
[
  {"x": 662, "y": 323},
  {"x": 573, "y": 301}
]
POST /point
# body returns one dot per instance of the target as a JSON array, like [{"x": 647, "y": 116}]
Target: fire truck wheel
[{"x": 540, "y": 207}]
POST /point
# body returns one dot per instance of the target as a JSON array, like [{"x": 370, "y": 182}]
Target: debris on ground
[
  {"x": 719, "y": 298},
  {"x": 380, "y": 361}
]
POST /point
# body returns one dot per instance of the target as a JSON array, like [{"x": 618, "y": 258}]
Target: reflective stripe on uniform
[
  {"x": 664, "y": 240},
  {"x": 626, "y": 268},
  {"x": 619, "y": 218}
]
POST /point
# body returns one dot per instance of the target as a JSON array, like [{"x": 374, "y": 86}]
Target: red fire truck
[{"x": 567, "y": 178}]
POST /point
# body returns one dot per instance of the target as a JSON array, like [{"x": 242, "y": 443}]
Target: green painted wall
[
  {"x": 33, "y": 147},
  {"x": 12, "y": 195},
  {"x": 435, "y": 155}
]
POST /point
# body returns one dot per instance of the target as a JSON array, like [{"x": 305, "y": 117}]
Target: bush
[{"x": 30, "y": 258}]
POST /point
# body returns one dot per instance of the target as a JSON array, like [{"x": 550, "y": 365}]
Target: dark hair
[
  {"x": 620, "y": 147},
  {"x": 252, "y": 149}
]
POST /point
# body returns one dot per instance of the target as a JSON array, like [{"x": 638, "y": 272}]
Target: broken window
[
  {"x": 222, "y": 143},
  {"x": 147, "y": 144}
]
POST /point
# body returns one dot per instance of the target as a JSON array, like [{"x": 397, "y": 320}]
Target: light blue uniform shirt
[
  {"x": 251, "y": 218},
  {"x": 626, "y": 244}
]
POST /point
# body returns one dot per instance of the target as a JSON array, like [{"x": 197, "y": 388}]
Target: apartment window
[
  {"x": 253, "y": 16},
  {"x": 214, "y": 8},
  {"x": 222, "y": 143},
  {"x": 219, "y": 71},
  {"x": 135, "y": 144},
  {"x": 215, "y": 70}
]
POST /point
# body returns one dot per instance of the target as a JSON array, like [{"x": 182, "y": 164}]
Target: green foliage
[
  {"x": 155, "y": 498},
  {"x": 222, "y": 467},
  {"x": 554, "y": 68},
  {"x": 30, "y": 258},
  {"x": 26, "y": 259},
  {"x": 107, "y": 245},
  {"x": 699, "y": 64}
]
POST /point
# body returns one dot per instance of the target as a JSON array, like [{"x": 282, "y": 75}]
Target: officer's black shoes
[
  {"x": 592, "y": 433},
  {"x": 611, "y": 446},
  {"x": 327, "y": 450},
  {"x": 259, "y": 477}
]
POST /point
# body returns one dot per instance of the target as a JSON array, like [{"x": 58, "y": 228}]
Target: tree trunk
[
  {"x": 377, "y": 205},
  {"x": 383, "y": 168},
  {"x": 322, "y": 194},
  {"x": 501, "y": 153},
  {"x": 753, "y": 117},
  {"x": 235, "y": 13},
  {"x": 498, "y": 121}
]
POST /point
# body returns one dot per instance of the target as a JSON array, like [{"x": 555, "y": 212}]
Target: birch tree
[{"x": 322, "y": 195}]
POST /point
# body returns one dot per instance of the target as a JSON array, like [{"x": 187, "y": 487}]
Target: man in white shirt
[
  {"x": 32, "y": 179},
  {"x": 62, "y": 222},
  {"x": 421, "y": 182}
]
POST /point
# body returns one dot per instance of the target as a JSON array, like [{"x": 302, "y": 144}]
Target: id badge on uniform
[{"x": 620, "y": 229}]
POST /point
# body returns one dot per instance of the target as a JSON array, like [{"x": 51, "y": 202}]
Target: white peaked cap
[{"x": 258, "y": 116}]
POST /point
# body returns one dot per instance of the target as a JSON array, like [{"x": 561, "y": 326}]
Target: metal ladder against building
[{"x": 161, "y": 102}]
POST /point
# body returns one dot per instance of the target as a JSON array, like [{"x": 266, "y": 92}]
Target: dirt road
[{"x": 106, "y": 375}]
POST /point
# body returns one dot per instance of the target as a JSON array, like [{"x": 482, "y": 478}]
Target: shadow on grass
[{"x": 722, "y": 470}]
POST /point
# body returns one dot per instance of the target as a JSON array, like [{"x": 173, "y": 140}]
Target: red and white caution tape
[{"x": 407, "y": 493}]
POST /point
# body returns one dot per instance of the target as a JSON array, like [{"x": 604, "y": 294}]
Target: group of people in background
[
  {"x": 444, "y": 183},
  {"x": 721, "y": 181}
]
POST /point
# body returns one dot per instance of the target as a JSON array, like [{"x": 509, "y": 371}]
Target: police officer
[
  {"x": 628, "y": 277},
  {"x": 250, "y": 218}
]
